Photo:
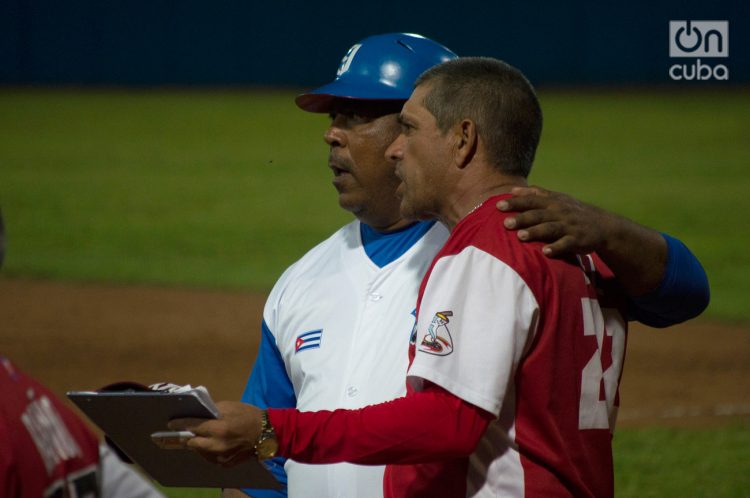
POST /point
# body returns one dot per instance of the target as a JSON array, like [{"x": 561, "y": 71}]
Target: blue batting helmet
[{"x": 381, "y": 67}]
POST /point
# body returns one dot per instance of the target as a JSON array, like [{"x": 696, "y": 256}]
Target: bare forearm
[{"x": 637, "y": 255}]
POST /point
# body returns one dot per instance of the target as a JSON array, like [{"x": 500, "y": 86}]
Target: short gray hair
[{"x": 498, "y": 98}]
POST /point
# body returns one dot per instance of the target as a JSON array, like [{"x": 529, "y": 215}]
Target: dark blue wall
[{"x": 299, "y": 43}]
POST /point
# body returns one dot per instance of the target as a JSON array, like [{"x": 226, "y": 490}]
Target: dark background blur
[{"x": 297, "y": 43}]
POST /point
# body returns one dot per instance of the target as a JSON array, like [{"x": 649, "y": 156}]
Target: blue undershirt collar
[{"x": 384, "y": 248}]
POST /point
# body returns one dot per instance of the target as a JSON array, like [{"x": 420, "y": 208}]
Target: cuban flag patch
[{"x": 308, "y": 340}]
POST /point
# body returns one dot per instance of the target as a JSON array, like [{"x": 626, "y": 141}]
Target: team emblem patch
[
  {"x": 308, "y": 340},
  {"x": 438, "y": 340}
]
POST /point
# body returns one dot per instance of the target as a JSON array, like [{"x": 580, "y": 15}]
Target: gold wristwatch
[{"x": 266, "y": 446}]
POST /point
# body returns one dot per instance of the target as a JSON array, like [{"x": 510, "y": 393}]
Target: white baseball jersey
[{"x": 340, "y": 325}]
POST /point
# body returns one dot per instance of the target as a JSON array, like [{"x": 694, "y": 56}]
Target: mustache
[{"x": 337, "y": 162}]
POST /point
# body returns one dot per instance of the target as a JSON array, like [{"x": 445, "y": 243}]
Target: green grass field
[{"x": 225, "y": 189}]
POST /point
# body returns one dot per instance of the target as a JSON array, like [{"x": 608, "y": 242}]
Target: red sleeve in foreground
[{"x": 424, "y": 426}]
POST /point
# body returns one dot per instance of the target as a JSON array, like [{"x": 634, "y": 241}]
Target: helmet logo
[{"x": 347, "y": 60}]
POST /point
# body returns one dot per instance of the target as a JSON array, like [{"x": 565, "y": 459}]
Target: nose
[
  {"x": 395, "y": 151},
  {"x": 335, "y": 135}
]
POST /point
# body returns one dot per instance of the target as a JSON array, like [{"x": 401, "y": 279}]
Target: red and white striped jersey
[{"x": 538, "y": 342}]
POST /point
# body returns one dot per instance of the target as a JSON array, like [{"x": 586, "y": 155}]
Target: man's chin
[
  {"x": 407, "y": 212},
  {"x": 347, "y": 203},
  {"x": 413, "y": 213}
]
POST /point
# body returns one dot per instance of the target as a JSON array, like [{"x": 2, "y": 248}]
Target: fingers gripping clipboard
[{"x": 130, "y": 418}]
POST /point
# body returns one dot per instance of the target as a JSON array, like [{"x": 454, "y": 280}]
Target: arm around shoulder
[{"x": 664, "y": 281}]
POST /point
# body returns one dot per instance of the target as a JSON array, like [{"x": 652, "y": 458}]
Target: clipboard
[{"x": 129, "y": 418}]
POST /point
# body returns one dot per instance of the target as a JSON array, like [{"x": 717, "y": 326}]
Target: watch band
[{"x": 266, "y": 446}]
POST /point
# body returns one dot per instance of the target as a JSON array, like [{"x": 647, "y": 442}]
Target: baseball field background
[{"x": 145, "y": 228}]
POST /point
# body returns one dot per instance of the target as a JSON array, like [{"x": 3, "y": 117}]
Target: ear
[{"x": 466, "y": 141}]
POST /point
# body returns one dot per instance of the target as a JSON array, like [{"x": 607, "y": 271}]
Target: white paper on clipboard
[{"x": 129, "y": 418}]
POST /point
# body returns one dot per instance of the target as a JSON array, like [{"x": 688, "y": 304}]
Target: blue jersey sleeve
[
  {"x": 683, "y": 293},
  {"x": 269, "y": 386}
]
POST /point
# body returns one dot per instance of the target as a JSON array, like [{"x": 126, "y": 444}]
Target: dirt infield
[{"x": 82, "y": 336}]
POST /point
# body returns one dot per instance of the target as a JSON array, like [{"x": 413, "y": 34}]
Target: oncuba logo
[{"x": 695, "y": 39}]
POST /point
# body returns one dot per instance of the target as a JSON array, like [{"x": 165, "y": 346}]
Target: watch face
[{"x": 267, "y": 448}]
